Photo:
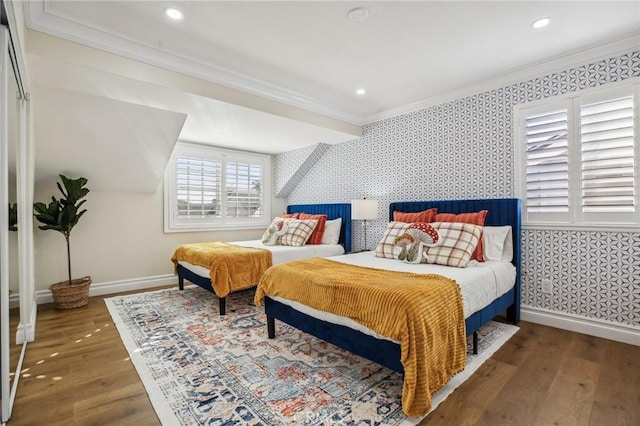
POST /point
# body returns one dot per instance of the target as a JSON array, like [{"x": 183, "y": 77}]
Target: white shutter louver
[
  {"x": 244, "y": 189},
  {"x": 198, "y": 187},
  {"x": 607, "y": 138},
  {"x": 547, "y": 167}
]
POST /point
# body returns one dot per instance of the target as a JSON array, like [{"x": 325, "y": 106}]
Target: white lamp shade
[{"x": 364, "y": 209}]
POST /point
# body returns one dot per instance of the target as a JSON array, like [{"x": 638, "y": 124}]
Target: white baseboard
[
  {"x": 110, "y": 287},
  {"x": 594, "y": 327},
  {"x": 26, "y": 333}
]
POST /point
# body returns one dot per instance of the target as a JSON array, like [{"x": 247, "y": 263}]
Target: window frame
[
  {"x": 576, "y": 219},
  {"x": 199, "y": 224}
]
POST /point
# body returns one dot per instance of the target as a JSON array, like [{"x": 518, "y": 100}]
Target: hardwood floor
[{"x": 77, "y": 372}]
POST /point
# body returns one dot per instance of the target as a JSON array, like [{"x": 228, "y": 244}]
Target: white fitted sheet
[
  {"x": 279, "y": 254},
  {"x": 480, "y": 284}
]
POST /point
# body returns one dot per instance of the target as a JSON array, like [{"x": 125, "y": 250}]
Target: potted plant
[{"x": 62, "y": 215}]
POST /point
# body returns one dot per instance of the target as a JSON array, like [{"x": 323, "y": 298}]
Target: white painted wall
[{"x": 120, "y": 238}]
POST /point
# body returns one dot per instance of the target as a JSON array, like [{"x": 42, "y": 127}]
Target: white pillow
[
  {"x": 332, "y": 231},
  {"x": 498, "y": 243}
]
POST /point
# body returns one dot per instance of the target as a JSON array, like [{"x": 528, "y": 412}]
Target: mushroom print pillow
[
  {"x": 414, "y": 239},
  {"x": 277, "y": 228}
]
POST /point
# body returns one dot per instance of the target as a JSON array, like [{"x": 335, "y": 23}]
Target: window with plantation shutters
[
  {"x": 547, "y": 159},
  {"x": 198, "y": 187},
  {"x": 577, "y": 158},
  {"x": 607, "y": 156},
  {"x": 211, "y": 188}
]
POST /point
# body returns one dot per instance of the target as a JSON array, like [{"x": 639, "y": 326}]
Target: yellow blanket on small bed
[
  {"x": 422, "y": 311},
  {"x": 231, "y": 267}
]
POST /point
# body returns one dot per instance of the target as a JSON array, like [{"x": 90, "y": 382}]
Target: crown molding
[
  {"x": 539, "y": 69},
  {"x": 40, "y": 17}
]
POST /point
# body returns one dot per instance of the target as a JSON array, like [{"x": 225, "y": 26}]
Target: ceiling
[
  {"x": 306, "y": 56},
  {"x": 311, "y": 54}
]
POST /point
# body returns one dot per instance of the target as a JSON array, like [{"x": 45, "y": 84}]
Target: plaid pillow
[
  {"x": 386, "y": 247},
  {"x": 476, "y": 218},
  {"x": 318, "y": 232},
  {"x": 457, "y": 243},
  {"x": 298, "y": 232}
]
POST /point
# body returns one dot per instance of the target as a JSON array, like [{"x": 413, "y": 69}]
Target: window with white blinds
[
  {"x": 198, "y": 187},
  {"x": 547, "y": 159},
  {"x": 211, "y": 188},
  {"x": 607, "y": 153},
  {"x": 577, "y": 158}
]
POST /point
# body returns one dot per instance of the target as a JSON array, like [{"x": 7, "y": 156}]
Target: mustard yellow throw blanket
[
  {"x": 231, "y": 267},
  {"x": 422, "y": 311}
]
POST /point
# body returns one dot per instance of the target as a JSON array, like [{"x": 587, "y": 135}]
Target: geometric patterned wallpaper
[
  {"x": 464, "y": 149},
  {"x": 284, "y": 187},
  {"x": 284, "y": 167},
  {"x": 595, "y": 274}
]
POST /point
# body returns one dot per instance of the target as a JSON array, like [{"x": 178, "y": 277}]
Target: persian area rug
[{"x": 203, "y": 369}]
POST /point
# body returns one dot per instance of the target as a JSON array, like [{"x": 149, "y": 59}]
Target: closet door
[{"x": 4, "y": 226}]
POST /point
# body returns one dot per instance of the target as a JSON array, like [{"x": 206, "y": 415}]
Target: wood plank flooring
[{"x": 77, "y": 372}]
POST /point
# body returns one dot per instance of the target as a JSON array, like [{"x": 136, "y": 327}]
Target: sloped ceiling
[
  {"x": 119, "y": 132},
  {"x": 101, "y": 139}
]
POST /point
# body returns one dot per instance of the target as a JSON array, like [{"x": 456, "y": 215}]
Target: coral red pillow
[
  {"x": 476, "y": 218},
  {"x": 318, "y": 232},
  {"x": 423, "y": 216},
  {"x": 290, "y": 215}
]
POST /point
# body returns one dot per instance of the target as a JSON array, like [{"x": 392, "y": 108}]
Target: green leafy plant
[
  {"x": 13, "y": 217},
  {"x": 63, "y": 214}
]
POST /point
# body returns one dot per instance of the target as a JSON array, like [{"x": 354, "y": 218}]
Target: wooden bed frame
[
  {"x": 387, "y": 353},
  {"x": 333, "y": 211}
]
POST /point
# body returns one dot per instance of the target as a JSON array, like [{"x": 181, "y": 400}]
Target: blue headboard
[
  {"x": 501, "y": 211},
  {"x": 333, "y": 211}
]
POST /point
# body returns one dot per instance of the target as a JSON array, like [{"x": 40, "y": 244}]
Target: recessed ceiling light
[
  {"x": 360, "y": 92},
  {"x": 358, "y": 14},
  {"x": 540, "y": 23},
  {"x": 174, "y": 13}
]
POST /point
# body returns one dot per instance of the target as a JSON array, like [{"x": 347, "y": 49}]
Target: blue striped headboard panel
[{"x": 333, "y": 211}]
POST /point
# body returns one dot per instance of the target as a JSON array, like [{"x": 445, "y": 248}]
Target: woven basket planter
[{"x": 72, "y": 296}]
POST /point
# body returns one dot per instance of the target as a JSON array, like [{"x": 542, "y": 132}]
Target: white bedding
[
  {"x": 279, "y": 254},
  {"x": 480, "y": 284}
]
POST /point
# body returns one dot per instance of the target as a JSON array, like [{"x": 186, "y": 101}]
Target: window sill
[
  {"x": 215, "y": 228},
  {"x": 588, "y": 227}
]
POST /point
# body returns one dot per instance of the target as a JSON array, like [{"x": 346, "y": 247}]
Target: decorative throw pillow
[
  {"x": 316, "y": 235},
  {"x": 332, "y": 231},
  {"x": 457, "y": 243},
  {"x": 410, "y": 248},
  {"x": 290, "y": 215},
  {"x": 414, "y": 239},
  {"x": 298, "y": 232},
  {"x": 476, "y": 218},
  {"x": 423, "y": 216},
  {"x": 386, "y": 247},
  {"x": 497, "y": 243},
  {"x": 277, "y": 228}
]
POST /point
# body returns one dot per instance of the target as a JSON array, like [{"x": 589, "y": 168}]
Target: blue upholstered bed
[
  {"x": 387, "y": 353},
  {"x": 333, "y": 211}
]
